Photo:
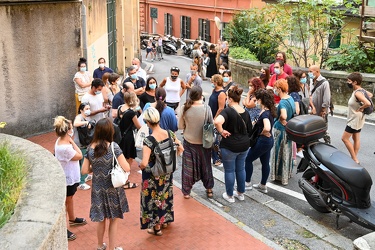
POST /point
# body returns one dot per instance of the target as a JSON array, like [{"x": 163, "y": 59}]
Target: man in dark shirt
[
  {"x": 118, "y": 99},
  {"x": 99, "y": 72},
  {"x": 138, "y": 82}
]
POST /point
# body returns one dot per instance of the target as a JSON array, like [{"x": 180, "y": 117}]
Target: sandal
[
  {"x": 165, "y": 225},
  {"x": 103, "y": 247},
  {"x": 71, "y": 236},
  {"x": 77, "y": 222},
  {"x": 187, "y": 196},
  {"x": 130, "y": 185},
  {"x": 155, "y": 231},
  {"x": 209, "y": 193}
]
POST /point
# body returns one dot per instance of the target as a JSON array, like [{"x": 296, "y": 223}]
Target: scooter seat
[{"x": 342, "y": 165}]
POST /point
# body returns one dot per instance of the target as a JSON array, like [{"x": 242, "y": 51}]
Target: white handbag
[
  {"x": 118, "y": 175},
  {"x": 142, "y": 133}
]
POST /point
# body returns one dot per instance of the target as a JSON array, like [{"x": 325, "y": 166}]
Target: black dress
[
  {"x": 212, "y": 67},
  {"x": 127, "y": 143}
]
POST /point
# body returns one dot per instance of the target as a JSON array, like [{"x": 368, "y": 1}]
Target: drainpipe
[{"x": 84, "y": 32}]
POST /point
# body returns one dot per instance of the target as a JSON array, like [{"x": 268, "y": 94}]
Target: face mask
[
  {"x": 98, "y": 92},
  {"x": 152, "y": 86},
  {"x": 174, "y": 77},
  {"x": 226, "y": 79},
  {"x": 303, "y": 80},
  {"x": 277, "y": 71},
  {"x": 258, "y": 106},
  {"x": 262, "y": 75},
  {"x": 133, "y": 77},
  {"x": 275, "y": 92},
  {"x": 311, "y": 75},
  {"x": 212, "y": 85},
  {"x": 227, "y": 103},
  {"x": 136, "y": 67},
  {"x": 87, "y": 112},
  {"x": 83, "y": 69},
  {"x": 118, "y": 82},
  {"x": 350, "y": 86},
  {"x": 101, "y": 65},
  {"x": 221, "y": 71},
  {"x": 193, "y": 72},
  {"x": 71, "y": 134}
]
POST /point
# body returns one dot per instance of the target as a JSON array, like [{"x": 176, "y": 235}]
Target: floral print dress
[{"x": 156, "y": 194}]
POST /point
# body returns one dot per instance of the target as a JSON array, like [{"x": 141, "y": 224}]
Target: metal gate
[{"x": 112, "y": 43}]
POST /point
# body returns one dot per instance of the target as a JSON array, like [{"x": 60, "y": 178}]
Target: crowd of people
[{"x": 274, "y": 97}]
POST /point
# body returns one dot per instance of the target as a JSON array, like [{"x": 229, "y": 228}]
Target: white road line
[{"x": 286, "y": 191}]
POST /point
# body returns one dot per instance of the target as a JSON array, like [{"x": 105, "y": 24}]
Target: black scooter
[{"x": 331, "y": 180}]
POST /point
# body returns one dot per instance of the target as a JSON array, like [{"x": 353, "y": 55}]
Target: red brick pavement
[{"x": 195, "y": 227}]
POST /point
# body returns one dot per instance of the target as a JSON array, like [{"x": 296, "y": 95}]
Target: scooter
[
  {"x": 168, "y": 47},
  {"x": 331, "y": 180}
]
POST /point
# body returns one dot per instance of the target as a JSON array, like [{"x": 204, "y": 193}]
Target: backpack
[
  {"x": 117, "y": 136},
  {"x": 86, "y": 134},
  {"x": 370, "y": 109},
  {"x": 165, "y": 158}
]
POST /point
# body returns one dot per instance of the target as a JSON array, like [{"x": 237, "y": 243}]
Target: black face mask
[
  {"x": 262, "y": 75},
  {"x": 350, "y": 86},
  {"x": 174, "y": 77}
]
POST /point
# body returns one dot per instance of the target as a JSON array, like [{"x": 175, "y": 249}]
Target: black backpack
[
  {"x": 370, "y": 109},
  {"x": 86, "y": 134}
]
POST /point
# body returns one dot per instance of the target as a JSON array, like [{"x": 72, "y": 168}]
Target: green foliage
[
  {"x": 12, "y": 175},
  {"x": 249, "y": 29},
  {"x": 352, "y": 57},
  {"x": 242, "y": 53}
]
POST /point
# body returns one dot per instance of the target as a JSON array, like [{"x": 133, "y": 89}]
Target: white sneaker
[
  {"x": 84, "y": 186},
  {"x": 248, "y": 186},
  {"x": 240, "y": 197},
  {"x": 227, "y": 198},
  {"x": 261, "y": 188},
  {"x": 300, "y": 154},
  {"x": 88, "y": 178}
]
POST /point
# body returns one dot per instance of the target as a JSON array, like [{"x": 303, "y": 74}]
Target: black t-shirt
[
  {"x": 118, "y": 100},
  {"x": 145, "y": 98},
  {"x": 138, "y": 84},
  {"x": 238, "y": 141},
  {"x": 265, "y": 115}
]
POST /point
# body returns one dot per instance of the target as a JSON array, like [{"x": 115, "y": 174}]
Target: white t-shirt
[
  {"x": 64, "y": 153},
  {"x": 85, "y": 78},
  {"x": 142, "y": 73},
  {"x": 172, "y": 90},
  {"x": 96, "y": 103}
]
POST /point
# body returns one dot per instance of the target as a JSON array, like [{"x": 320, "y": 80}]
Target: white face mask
[
  {"x": 71, "y": 134},
  {"x": 101, "y": 65},
  {"x": 221, "y": 71},
  {"x": 87, "y": 112}
]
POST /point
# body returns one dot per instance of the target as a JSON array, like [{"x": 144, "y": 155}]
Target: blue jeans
[
  {"x": 234, "y": 169},
  {"x": 261, "y": 150}
]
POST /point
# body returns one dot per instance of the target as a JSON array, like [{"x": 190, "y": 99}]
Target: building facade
[{"x": 190, "y": 19}]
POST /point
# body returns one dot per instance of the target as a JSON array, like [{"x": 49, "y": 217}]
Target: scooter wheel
[{"x": 308, "y": 175}]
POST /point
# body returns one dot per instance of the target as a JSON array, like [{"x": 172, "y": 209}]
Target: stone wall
[
  {"x": 242, "y": 71},
  {"x": 39, "y": 49},
  {"x": 39, "y": 220}
]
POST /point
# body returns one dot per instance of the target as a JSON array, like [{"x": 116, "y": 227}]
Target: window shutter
[
  {"x": 208, "y": 34},
  {"x": 165, "y": 23},
  {"x": 188, "y": 23}
]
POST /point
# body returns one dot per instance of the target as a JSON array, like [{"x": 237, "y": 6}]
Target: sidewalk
[{"x": 195, "y": 227}]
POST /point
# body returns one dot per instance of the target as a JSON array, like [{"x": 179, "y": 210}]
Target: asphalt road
[{"x": 291, "y": 194}]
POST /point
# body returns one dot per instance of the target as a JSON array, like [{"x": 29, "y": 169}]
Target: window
[
  {"x": 204, "y": 29},
  {"x": 168, "y": 24},
  {"x": 299, "y": 33},
  {"x": 334, "y": 38},
  {"x": 224, "y": 25},
  {"x": 185, "y": 23}
]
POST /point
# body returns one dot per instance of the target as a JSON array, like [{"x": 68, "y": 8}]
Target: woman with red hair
[{"x": 250, "y": 101}]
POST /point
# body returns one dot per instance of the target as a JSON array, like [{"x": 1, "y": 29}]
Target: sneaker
[
  {"x": 261, "y": 188},
  {"x": 227, "y": 198},
  {"x": 84, "y": 186},
  {"x": 248, "y": 186},
  {"x": 77, "y": 222},
  {"x": 240, "y": 197},
  {"x": 88, "y": 178},
  {"x": 300, "y": 154}
]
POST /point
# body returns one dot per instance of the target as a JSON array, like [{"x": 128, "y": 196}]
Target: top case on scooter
[{"x": 304, "y": 129}]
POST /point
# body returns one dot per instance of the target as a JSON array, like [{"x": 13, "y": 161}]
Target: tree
[{"x": 250, "y": 29}]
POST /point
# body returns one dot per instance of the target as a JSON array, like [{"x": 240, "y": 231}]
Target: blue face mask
[
  {"x": 226, "y": 79},
  {"x": 212, "y": 85},
  {"x": 134, "y": 76},
  {"x": 98, "y": 92},
  {"x": 311, "y": 75},
  {"x": 83, "y": 69},
  {"x": 152, "y": 86},
  {"x": 277, "y": 71},
  {"x": 275, "y": 92},
  {"x": 303, "y": 80}
]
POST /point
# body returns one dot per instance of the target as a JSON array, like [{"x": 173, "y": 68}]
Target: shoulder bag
[
  {"x": 208, "y": 130},
  {"x": 118, "y": 175},
  {"x": 142, "y": 133}
]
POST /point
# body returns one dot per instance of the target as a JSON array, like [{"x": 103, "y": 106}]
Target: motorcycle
[
  {"x": 168, "y": 47},
  {"x": 331, "y": 180}
]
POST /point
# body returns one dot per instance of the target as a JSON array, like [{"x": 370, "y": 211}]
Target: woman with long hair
[
  {"x": 279, "y": 74},
  {"x": 227, "y": 80},
  {"x": 149, "y": 94},
  {"x": 196, "y": 159},
  {"x": 212, "y": 66},
  {"x": 234, "y": 125},
  {"x": 250, "y": 101},
  {"x": 68, "y": 154},
  {"x": 107, "y": 203},
  {"x": 281, "y": 154},
  {"x": 157, "y": 192},
  {"x": 264, "y": 75},
  {"x": 264, "y": 143},
  {"x": 82, "y": 81}
]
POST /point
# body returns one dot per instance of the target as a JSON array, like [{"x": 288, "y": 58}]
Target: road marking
[{"x": 286, "y": 191}]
